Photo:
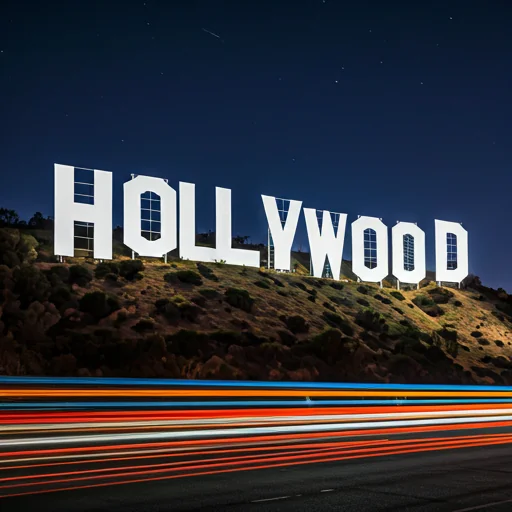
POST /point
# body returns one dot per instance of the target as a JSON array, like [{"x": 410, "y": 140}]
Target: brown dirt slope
[{"x": 188, "y": 320}]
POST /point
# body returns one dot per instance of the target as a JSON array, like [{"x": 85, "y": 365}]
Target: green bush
[
  {"x": 335, "y": 320},
  {"x": 171, "y": 278},
  {"x": 299, "y": 285},
  {"x": 276, "y": 281},
  {"x": 239, "y": 298},
  {"x": 486, "y": 372},
  {"x": 189, "y": 277},
  {"x": 296, "y": 324},
  {"x": 363, "y": 302},
  {"x": 397, "y": 295},
  {"x": 227, "y": 337},
  {"x": 171, "y": 312},
  {"x": 427, "y": 305},
  {"x": 336, "y": 285},
  {"x": 457, "y": 303},
  {"x": 499, "y": 343},
  {"x": 58, "y": 274},
  {"x": 340, "y": 301},
  {"x": 451, "y": 343},
  {"x": 160, "y": 304},
  {"x": 121, "y": 317},
  {"x": 189, "y": 311},
  {"x": 188, "y": 343},
  {"x": 130, "y": 269},
  {"x": 422, "y": 301},
  {"x": 144, "y": 325},
  {"x": 30, "y": 285},
  {"x": 98, "y": 305},
  {"x": 448, "y": 334},
  {"x": 476, "y": 334},
  {"x": 286, "y": 337},
  {"x": 157, "y": 346},
  {"x": 435, "y": 355},
  {"x": 331, "y": 346},
  {"x": 79, "y": 275},
  {"x": 434, "y": 311},
  {"x": 177, "y": 309},
  {"x": 363, "y": 289},
  {"x": 60, "y": 296},
  {"x": 440, "y": 295},
  {"x": 329, "y": 306},
  {"x": 199, "y": 300},
  {"x": 16, "y": 248},
  {"x": 104, "y": 268},
  {"x": 503, "y": 308},
  {"x": 262, "y": 284},
  {"x": 206, "y": 272},
  {"x": 209, "y": 293},
  {"x": 370, "y": 320}
]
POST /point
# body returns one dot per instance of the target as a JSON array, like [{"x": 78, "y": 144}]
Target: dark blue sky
[{"x": 399, "y": 110}]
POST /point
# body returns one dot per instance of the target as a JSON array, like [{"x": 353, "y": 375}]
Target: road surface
[
  {"x": 469, "y": 479},
  {"x": 120, "y": 445}
]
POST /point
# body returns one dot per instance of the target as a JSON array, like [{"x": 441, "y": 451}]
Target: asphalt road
[{"x": 462, "y": 480}]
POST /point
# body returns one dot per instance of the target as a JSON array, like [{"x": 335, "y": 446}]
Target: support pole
[{"x": 268, "y": 249}]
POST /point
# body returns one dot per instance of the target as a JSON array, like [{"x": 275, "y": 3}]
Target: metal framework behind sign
[
  {"x": 150, "y": 214},
  {"x": 408, "y": 252},
  {"x": 84, "y": 193},
  {"x": 451, "y": 251},
  {"x": 283, "y": 206},
  {"x": 335, "y": 219},
  {"x": 370, "y": 248}
]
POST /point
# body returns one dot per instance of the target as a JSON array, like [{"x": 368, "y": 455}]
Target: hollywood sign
[{"x": 325, "y": 242}]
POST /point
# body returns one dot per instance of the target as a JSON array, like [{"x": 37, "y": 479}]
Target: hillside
[{"x": 187, "y": 320}]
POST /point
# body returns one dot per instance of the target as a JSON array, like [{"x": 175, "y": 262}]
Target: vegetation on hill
[{"x": 186, "y": 320}]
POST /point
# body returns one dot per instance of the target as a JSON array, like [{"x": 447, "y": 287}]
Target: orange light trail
[{"x": 147, "y": 441}]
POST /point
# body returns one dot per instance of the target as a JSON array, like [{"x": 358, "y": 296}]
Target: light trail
[
  {"x": 263, "y": 464},
  {"x": 49, "y": 392},
  {"x": 235, "y": 461},
  {"x": 101, "y": 381},
  {"x": 242, "y": 403},
  {"x": 55, "y": 433},
  {"x": 248, "y": 420},
  {"x": 187, "y": 434}
]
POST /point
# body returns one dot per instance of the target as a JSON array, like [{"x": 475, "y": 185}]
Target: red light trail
[{"x": 63, "y": 445}]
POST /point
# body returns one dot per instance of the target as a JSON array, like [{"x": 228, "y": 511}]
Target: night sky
[{"x": 400, "y": 110}]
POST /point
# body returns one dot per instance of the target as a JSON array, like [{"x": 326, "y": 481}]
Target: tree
[
  {"x": 241, "y": 240},
  {"x": 16, "y": 247},
  {"x": 36, "y": 221},
  {"x": 9, "y": 217}
]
